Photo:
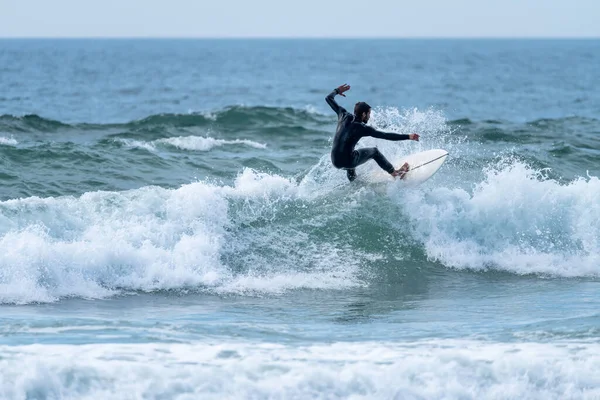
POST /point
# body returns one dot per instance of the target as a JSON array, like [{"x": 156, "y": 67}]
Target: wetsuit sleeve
[
  {"x": 370, "y": 131},
  {"x": 339, "y": 110}
]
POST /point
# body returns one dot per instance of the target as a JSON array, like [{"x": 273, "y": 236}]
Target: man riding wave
[{"x": 350, "y": 129}]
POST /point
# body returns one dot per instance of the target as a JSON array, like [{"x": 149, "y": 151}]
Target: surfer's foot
[
  {"x": 351, "y": 174},
  {"x": 401, "y": 171}
]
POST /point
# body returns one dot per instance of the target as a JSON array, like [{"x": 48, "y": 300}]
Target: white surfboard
[{"x": 421, "y": 166}]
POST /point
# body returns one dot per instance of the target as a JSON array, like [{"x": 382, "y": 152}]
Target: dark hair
[{"x": 360, "y": 108}]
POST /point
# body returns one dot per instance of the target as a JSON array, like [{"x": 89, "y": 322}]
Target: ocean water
[{"x": 171, "y": 226}]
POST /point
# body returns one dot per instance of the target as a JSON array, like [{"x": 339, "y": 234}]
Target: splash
[
  {"x": 430, "y": 124},
  {"x": 515, "y": 220}
]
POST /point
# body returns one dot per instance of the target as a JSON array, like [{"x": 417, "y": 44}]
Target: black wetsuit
[{"x": 349, "y": 131}]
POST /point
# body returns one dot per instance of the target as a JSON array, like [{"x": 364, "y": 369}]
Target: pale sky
[{"x": 301, "y": 18}]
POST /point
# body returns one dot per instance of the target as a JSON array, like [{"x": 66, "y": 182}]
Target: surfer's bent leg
[{"x": 361, "y": 156}]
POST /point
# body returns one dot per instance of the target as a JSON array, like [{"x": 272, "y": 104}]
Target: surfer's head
[{"x": 362, "y": 111}]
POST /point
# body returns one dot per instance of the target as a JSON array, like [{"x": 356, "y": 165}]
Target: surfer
[{"x": 350, "y": 129}]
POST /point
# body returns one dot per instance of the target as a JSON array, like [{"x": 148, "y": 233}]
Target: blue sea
[{"x": 171, "y": 226}]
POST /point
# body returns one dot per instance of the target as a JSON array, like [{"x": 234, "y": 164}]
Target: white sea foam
[
  {"x": 205, "y": 143},
  {"x": 448, "y": 369},
  {"x": 8, "y": 141},
  {"x": 514, "y": 220},
  {"x": 153, "y": 239},
  {"x": 194, "y": 143},
  {"x": 137, "y": 144}
]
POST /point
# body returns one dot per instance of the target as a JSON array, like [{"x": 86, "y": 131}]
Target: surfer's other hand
[
  {"x": 344, "y": 88},
  {"x": 414, "y": 136}
]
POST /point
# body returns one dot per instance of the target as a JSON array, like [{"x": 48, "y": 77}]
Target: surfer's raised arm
[{"x": 339, "y": 110}]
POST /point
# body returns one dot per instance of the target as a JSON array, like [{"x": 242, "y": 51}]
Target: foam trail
[{"x": 449, "y": 369}]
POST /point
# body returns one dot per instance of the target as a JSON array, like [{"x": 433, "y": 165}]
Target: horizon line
[{"x": 301, "y": 37}]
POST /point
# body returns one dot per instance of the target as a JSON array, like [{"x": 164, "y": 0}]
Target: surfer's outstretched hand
[
  {"x": 414, "y": 136},
  {"x": 344, "y": 88}
]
